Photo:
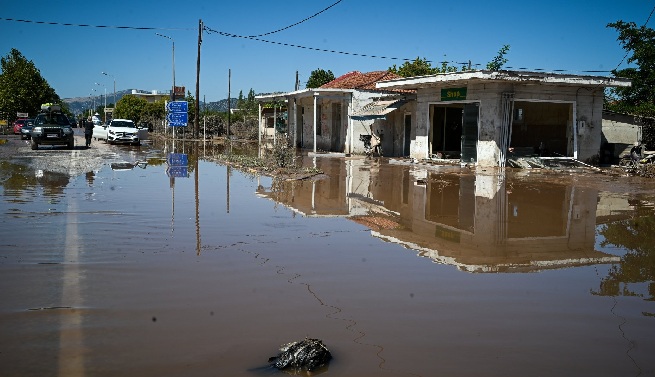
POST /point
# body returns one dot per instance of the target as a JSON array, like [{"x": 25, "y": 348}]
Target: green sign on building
[{"x": 453, "y": 94}]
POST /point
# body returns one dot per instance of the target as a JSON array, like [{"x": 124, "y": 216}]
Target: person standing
[{"x": 88, "y": 132}]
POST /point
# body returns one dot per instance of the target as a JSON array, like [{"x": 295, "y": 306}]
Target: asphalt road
[{"x": 58, "y": 158}]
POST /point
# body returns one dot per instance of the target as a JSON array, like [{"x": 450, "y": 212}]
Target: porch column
[
  {"x": 260, "y": 129},
  {"x": 315, "y": 120},
  {"x": 295, "y": 124},
  {"x": 350, "y": 125}
]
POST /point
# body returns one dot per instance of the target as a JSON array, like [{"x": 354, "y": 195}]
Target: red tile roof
[{"x": 358, "y": 80}]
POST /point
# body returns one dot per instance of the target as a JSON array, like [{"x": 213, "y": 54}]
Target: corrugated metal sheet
[{"x": 378, "y": 109}]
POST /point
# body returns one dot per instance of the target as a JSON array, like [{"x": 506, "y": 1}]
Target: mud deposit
[{"x": 186, "y": 267}]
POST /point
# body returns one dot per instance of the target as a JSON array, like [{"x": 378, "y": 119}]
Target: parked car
[
  {"x": 100, "y": 132},
  {"x": 18, "y": 124},
  {"x": 26, "y": 129},
  {"x": 52, "y": 127},
  {"x": 122, "y": 131}
]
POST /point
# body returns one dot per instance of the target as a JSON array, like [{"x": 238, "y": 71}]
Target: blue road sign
[
  {"x": 177, "y": 171},
  {"x": 177, "y": 159},
  {"x": 177, "y": 107},
  {"x": 177, "y": 119}
]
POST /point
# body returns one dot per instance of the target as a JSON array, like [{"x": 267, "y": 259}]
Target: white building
[{"x": 478, "y": 116}]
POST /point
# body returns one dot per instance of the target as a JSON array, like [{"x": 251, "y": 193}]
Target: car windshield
[
  {"x": 59, "y": 119},
  {"x": 122, "y": 123}
]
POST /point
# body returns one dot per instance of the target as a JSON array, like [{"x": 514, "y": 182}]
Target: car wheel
[
  {"x": 34, "y": 145},
  {"x": 71, "y": 145}
]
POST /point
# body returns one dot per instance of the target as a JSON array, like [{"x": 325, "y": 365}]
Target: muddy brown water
[{"x": 400, "y": 270}]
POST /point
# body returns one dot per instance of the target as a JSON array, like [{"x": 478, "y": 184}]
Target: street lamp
[
  {"x": 173, "y": 91},
  {"x": 112, "y": 76},
  {"x": 94, "y": 101},
  {"x": 104, "y": 110}
]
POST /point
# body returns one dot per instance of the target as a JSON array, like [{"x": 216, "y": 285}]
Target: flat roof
[{"x": 503, "y": 76}]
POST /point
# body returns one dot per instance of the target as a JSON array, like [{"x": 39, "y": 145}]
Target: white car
[
  {"x": 121, "y": 131},
  {"x": 100, "y": 132}
]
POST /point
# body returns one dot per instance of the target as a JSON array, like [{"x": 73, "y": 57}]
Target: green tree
[
  {"x": 417, "y": 67},
  {"x": 130, "y": 107},
  {"x": 22, "y": 88},
  {"x": 421, "y": 67},
  {"x": 319, "y": 77},
  {"x": 638, "y": 99},
  {"x": 155, "y": 110},
  {"x": 240, "y": 101},
  {"x": 251, "y": 105},
  {"x": 499, "y": 61},
  {"x": 192, "y": 106}
]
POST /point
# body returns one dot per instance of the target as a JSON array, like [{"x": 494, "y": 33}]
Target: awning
[{"x": 377, "y": 109}]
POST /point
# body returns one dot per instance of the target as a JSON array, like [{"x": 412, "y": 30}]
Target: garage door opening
[
  {"x": 455, "y": 131},
  {"x": 542, "y": 129}
]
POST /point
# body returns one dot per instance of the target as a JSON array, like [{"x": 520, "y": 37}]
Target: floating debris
[{"x": 307, "y": 354}]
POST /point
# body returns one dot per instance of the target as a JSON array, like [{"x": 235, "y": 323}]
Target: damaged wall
[{"x": 585, "y": 106}]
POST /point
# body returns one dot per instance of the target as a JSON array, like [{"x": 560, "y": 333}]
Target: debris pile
[{"x": 308, "y": 354}]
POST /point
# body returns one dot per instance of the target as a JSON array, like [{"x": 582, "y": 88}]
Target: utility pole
[
  {"x": 229, "y": 102},
  {"x": 297, "y": 82},
  {"x": 195, "y": 116}
]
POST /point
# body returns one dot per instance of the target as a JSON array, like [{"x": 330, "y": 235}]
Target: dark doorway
[
  {"x": 336, "y": 145},
  {"x": 542, "y": 128},
  {"x": 408, "y": 134},
  {"x": 448, "y": 134}
]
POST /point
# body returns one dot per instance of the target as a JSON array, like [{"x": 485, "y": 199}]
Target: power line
[
  {"x": 88, "y": 25},
  {"x": 295, "y": 24},
  {"x": 627, "y": 52},
  {"x": 210, "y": 30}
]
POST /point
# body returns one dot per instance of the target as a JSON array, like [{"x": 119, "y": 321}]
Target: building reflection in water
[{"x": 478, "y": 223}]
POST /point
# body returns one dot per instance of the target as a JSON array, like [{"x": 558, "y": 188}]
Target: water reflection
[
  {"x": 479, "y": 223},
  {"x": 21, "y": 183},
  {"x": 635, "y": 275}
]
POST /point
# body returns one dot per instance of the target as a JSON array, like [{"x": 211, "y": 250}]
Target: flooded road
[{"x": 184, "y": 266}]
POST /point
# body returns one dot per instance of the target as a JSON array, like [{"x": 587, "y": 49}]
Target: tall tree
[
  {"x": 22, "y": 88},
  {"x": 251, "y": 104},
  {"x": 319, "y": 77},
  {"x": 638, "y": 99},
  {"x": 241, "y": 102}
]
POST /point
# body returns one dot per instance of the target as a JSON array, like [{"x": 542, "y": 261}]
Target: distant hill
[{"x": 78, "y": 105}]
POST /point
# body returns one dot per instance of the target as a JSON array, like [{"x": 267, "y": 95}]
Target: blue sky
[{"x": 569, "y": 35}]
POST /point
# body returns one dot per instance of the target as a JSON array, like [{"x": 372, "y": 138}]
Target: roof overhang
[
  {"x": 303, "y": 93},
  {"x": 377, "y": 109},
  {"x": 523, "y": 77}
]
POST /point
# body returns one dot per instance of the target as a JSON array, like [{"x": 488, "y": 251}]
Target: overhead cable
[
  {"x": 295, "y": 24},
  {"x": 627, "y": 52},
  {"x": 88, "y": 25}
]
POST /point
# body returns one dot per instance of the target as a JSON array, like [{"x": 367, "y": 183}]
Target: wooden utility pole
[{"x": 196, "y": 119}]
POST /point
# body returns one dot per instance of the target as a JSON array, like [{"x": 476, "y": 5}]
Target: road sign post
[{"x": 177, "y": 113}]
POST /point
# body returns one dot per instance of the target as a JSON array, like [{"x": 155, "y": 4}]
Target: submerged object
[{"x": 307, "y": 354}]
